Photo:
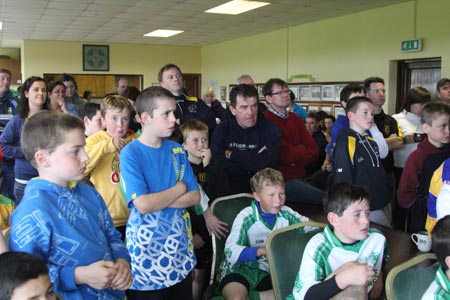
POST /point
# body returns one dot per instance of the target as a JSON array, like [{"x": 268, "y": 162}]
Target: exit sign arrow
[{"x": 411, "y": 45}]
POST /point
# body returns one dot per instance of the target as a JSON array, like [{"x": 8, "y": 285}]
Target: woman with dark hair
[
  {"x": 55, "y": 101},
  {"x": 33, "y": 97}
]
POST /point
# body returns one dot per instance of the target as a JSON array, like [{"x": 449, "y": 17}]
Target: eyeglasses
[{"x": 280, "y": 92}]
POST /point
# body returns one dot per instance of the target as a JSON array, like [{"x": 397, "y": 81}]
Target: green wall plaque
[{"x": 95, "y": 58}]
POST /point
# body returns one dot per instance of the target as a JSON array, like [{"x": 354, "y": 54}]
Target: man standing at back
[
  {"x": 8, "y": 102},
  {"x": 188, "y": 107},
  {"x": 376, "y": 92},
  {"x": 8, "y": 105},
  {"x": 245, "y": 142},
  {"x": 247, "y": 79}
]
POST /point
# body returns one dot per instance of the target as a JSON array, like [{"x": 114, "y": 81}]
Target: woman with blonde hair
[{"x": 215, "y": 105}]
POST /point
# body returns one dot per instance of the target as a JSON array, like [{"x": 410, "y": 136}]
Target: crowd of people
[{"x": 106, "y": 200}]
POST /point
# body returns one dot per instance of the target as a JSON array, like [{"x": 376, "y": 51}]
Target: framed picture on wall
[
  {"x": 316, "y": 92},
  {"x": 327, "y": 92},
  {"x": 223, "y": 93},
  {"x": 338, "y": 110},
  {"x": 304, "y": 92},
  {"x": 95, "y": 58},
  {"x": 337, "y": 91},
  {"x": 326, "y": 108}
]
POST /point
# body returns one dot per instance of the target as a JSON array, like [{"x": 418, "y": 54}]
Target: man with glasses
[
  {"x": 298, "y": 149},
  {"x": 245, "y": 142}
]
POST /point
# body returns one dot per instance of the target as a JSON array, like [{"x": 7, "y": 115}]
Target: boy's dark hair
[
  {"x": 18, "y": 268},
  {"x": 46, "y": 130},
  {"x": 415, "y": 95},
  {"x": 243, "y": 90},
  {"x": 368, "y": 81},
  {"x": 353, "y": 104},
  {"x": 433, "y": 110},
  {"x": 24, "y": 108},
  {"x": 67, "y": 77},
  {"x": 115, "y": 102},
  {"x": 165, "y": 68},
  {"x": 193, "y": 125},
  {"x": 267, "y": 88},
  {"x": 331, "y": 117},
  {"x": 146, "y": 101},
  {"x": 350, "y": 89},
  {"x": 90, "y": 109},
  {"x": 266, "y": 177},
  {"x": 439, "y": 84},
  {"x": 341, "y": 195},
  {"x": 441, "y": 241},
  {"x": 321, "y": 115}
]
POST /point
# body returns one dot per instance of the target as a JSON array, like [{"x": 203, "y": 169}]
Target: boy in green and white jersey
[
  {"x": 245, "y": 271},
  {"x": 347, "y": 252},
  {"x": 439, "y": 289}
]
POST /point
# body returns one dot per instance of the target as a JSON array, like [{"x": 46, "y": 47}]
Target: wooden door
[
  {"x": 418, "y": 72},
  {"x": 193, "y": 84}
]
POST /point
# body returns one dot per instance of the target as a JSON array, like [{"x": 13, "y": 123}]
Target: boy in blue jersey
[
  {"x": 159, "y": 185},
  {"x": 346, "y": 253},
  {"x": 439, "y": 289},
  {"x": 245, "y": 271},
  {"x": 65, "y": 223}
]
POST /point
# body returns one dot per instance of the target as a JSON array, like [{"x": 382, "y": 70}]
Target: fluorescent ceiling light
[
  {"x": 163, "y": 33},
  {"x": 1, "y": 25},
  {"x": 236, "y": 7}
]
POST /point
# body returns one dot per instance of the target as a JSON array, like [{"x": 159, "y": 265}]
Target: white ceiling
[{"x": 126, "y": 21}]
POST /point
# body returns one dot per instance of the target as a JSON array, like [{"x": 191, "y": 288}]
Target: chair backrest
[
  {"x": 285, "y": 248},
  {"x": 226, "y": 209},
  {"x": 410, "y": 280}
]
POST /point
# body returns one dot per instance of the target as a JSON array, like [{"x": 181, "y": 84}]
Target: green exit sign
[{"x": 412, "y": 45}]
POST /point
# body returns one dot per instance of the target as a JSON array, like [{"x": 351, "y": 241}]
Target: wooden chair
[
  {"x": 285, "y": 248},
  {"x": 410, "y": 280},
  {"x": 226, "y": 209}
]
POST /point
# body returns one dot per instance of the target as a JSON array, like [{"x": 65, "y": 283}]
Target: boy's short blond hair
[
  {"x": 193, "y": 125},
  {"x": 146, "y": 101},
  {"x": 46, "y": 130},
  {"x": 433, "y": 110},
  {"x": 114, "y": 102},
  {"x": 266, "y": 177}
]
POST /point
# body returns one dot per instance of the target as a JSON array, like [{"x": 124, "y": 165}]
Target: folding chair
[
  {"x": 226, "y": 209},
  {"x": 285, "y": 248},
  {"x": 410, "y": 280}
]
